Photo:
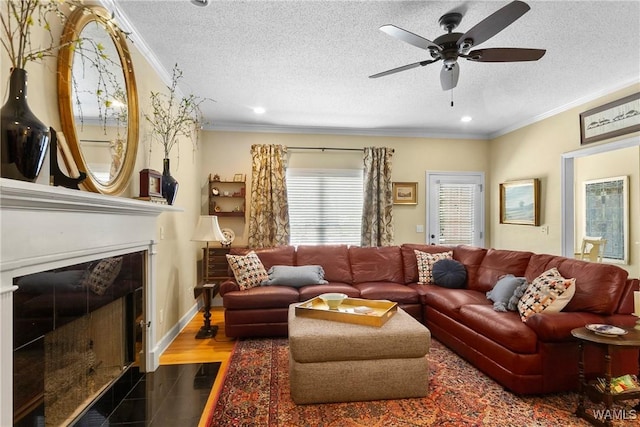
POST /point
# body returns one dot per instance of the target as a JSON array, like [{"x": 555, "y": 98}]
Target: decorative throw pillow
[
  {"x": 248, "y": 270},
  {"x": 449, "y": 273},
  {"x": 103, "y": 275},
  {"x": 297, "y": 276},
  {"x": 425, "y": 262},
  {"x": 547, "y": 292},
  {"x": 503, "y": 291},
  {"x": 512, "y": 305}
]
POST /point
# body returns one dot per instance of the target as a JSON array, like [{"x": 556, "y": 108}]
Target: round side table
[{"x": 631, "y": 340}]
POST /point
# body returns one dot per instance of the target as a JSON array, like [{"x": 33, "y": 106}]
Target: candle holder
[{"x": 637, "y": 327}]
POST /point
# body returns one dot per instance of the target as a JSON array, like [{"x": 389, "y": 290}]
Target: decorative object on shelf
[
  {"x": 24, "y": 137},
  {"x": 150, "y": 183},
  {"x": 207, "y": 230},
  {"x": 97, "y": 95},
  {"x": 215, "y": 177},
  {"x": 229, "y": 237},
  {"x": 58, "y": 177},
  {"x": 215, "y": 191},
  {"x": 171, "y": 118},
  {"x": 169, "y": 183},
  {"x": 405, "y": 193},
  {"x": 520, "y": 202},
  {"x": 610, "y": 120},
  {"x": 238, "y": 177}
]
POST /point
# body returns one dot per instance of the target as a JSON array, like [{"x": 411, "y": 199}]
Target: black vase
[
  {"x": 24, "y": 138},
  {"x": 169, "y": 183}
]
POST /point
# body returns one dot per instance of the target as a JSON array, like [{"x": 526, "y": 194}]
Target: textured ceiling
[{"x": 307, "y": 62}]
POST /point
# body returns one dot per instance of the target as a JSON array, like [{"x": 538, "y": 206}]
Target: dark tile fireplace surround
[{"x": 75, "y": 331}]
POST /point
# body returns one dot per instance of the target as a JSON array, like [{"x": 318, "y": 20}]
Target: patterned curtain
[
  {"x": 269, "y": 209},
  {"x": 377, "y": 212}
]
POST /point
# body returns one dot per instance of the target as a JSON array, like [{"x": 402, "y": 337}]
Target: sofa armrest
[
  {"x": 556, "y": 327},
  {"x": 228, "y": 286}
]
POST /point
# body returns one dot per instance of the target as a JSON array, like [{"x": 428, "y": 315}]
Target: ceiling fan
[{"x": 451, "y": 46}]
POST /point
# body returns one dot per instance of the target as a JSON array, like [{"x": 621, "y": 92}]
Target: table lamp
[{"x": 207, "y": 230}]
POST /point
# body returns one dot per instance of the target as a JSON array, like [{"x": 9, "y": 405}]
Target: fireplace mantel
[{"x": 45, "y": 227}]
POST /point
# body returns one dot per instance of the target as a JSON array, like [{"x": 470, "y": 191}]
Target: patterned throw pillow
[
  {"x": 103, "y": 275},
  {"x": 425, "y": 264},
  {"x": 248, "y": 270},
  {"x": 548, "y": 292}
]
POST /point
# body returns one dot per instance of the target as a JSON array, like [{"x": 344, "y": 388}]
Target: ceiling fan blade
[
  {"x": 409, "y": 37},
  {"x": 505, "y": 54},
  {"x": 494, "y": 23},
  {"x": 449, "y": 76},
  {"x": 403, "y": 68}
]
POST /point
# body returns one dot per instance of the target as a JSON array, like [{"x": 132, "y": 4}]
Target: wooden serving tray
[{"x": 381, "y": 311}]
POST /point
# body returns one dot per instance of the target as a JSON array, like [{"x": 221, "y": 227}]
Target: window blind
[
  {"x": 456, "y": 213},
  {"x": 325, "y": 206}
]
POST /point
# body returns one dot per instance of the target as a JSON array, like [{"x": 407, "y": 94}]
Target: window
[{"x": 325, "y": 206}]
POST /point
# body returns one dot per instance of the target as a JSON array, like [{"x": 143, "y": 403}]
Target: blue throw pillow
[
  {"x": 503, "y": 290},
  {"x": 449, "y": 273},
  {"x": 303, "y": 275}
]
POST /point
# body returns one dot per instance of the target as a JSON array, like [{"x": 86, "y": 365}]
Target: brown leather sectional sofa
[{"x": 539, "y": 356}]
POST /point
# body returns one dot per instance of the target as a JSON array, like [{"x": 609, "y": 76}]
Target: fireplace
[{"x": 47, "y": 229}]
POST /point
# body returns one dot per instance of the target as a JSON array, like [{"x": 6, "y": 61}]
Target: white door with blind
[{"x": 455, "y": 213}]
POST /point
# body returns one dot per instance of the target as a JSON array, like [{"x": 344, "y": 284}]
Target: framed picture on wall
[
  {"x": 405, "y": 193},
  {"x": 613, "y": 119},
  {"x": 606, "y": 215},
  {"x": 520, "y": 202}
]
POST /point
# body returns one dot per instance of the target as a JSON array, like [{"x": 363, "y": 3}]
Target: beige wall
[
  {"x": 535, "y": 151},
  {"x": 227, "y": 153},
  {"x": 177, "y": 254}
]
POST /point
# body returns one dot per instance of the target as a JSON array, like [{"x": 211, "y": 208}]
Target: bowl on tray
[{"x": 333, "y": 299}]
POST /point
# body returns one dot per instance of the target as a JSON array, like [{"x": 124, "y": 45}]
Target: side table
[
  {"x": 631, "y": 340},
  {"x": 208, "y": 291}
]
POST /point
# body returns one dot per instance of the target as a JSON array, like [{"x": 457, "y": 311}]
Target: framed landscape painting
[
  {"x": 405, "y": 193},
  {"x": 520, "y": 202}
]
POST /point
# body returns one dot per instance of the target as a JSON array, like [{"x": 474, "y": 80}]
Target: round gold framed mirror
[{"x": 98, "y": 100}]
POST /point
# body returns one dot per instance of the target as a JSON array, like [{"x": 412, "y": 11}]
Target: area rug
[{"x": 256, "y": 393}]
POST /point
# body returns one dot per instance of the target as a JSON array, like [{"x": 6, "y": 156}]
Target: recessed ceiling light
[
  {"x": 466, "y": 119},
  {"x": 201, "y": 3},
  {"x": 259, "y": 110}
]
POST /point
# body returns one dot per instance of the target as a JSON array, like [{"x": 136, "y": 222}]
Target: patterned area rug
[{"x": 256, "y": 393}]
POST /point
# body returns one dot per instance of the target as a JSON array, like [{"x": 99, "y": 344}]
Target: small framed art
[
  {"x": 405, "y": 193},
  {"x": 610, "y": 120},
  {"x": 520, "y": 202}
]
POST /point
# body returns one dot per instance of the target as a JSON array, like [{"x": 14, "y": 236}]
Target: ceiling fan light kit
[{"x": 451, "y": 46}]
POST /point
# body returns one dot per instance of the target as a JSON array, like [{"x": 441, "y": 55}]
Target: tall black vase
[
  {"x": 24, "y": 139},
  {"x": 169, "y": 183}
]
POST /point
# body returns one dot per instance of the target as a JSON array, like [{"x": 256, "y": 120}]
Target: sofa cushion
[
  {"x": 334, "y": 259},
  {"x": 599, "y": 287},
  {"x": 248, "y": 270},
  {"x": 396, "y": 292},
  {"x": 449, "y": 301},
  {"x": 547, "y": 292},
  {"x": 409, "y": 262},
  {"x": 295, "y": 276},
  {"x": 280, "y": 255},
  {"x": 449, "y": 273},
  {"x": 261, "y": 297},
  {"x": 497, "y": 263},
  {"x": 503, "y": 291},
  {"x": 308, "y": 292},
  {"x": 376, "y": 264},
  {"x": 426, "y": 261},
  {"x": 504, "y": 328},
  {"x": 471, "y": 257}
]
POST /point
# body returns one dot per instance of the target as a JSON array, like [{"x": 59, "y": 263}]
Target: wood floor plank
[{"x": 187, "y": 349}]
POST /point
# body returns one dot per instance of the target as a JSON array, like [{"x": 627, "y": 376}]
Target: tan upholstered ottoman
[{"x": 341, "y": 362}]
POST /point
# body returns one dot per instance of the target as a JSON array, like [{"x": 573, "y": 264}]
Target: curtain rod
[{"x": 326, "y": 148}]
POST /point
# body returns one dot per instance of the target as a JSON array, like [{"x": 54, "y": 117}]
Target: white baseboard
[{"x": 173, "y": 333}]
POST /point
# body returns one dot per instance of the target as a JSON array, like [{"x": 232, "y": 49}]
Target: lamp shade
[{"x": 207, "y": 230}]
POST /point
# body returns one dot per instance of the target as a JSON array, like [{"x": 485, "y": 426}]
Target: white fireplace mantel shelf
[{"x": 45, "y": 227}]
